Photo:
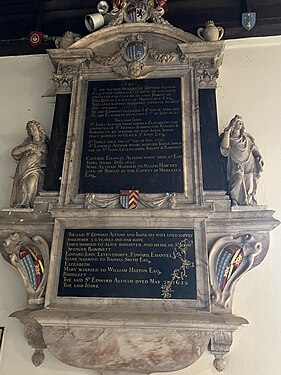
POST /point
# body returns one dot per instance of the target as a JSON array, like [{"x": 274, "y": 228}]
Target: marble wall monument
[{"x": 131, "y": 251}]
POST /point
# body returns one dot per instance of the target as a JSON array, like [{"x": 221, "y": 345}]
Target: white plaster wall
[{"x": 250, "y": 85}]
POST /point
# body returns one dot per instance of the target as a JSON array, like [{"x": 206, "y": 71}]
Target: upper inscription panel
[{"x": 133, "y": 137}]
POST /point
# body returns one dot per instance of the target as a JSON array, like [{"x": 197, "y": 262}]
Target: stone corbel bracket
[
  {"x": 34, "y": 336},
  {"x": 230, "y": 258},
  {"x": 220, "y": 344},
  {"x": 30, "y": 256}
]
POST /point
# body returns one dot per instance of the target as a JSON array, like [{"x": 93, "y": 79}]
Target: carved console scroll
[
  {"x": 30, "y": 255},
  {"x": 230, "y": 258}
]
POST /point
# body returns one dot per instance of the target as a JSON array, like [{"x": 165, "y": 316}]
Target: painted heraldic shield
[
  {"x": 248, "y": 20},
  {"x": 129, "y": 198}
]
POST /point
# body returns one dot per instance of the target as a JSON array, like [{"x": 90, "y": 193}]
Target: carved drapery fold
[{"x": 164, "y": 201}]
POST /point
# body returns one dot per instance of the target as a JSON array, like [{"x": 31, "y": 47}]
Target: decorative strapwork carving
[
  {"x": 220, "y": 344},
  {"x": 230, "y": 258},
  {"x": 31, "y": 156},
  {"x": 30, "y": 255},
  {"x": 244, "y": 163}
]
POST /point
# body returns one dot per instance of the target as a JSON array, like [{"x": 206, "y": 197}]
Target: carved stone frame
[{"x": 192, "y": 179}]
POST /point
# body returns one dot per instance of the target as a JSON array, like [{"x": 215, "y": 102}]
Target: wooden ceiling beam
[
  {"x": 67, "y": 14},
  {"x": 10, "y": 10},
  {"x": 40, "y": 15},
  {"x": 51, "y": 5}
]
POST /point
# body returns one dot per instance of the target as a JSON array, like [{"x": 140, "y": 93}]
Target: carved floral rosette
[
  {"x": 30, "y": 255},
  {"x": 230, "y": 258}
]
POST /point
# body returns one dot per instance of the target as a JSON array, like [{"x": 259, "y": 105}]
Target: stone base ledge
[{"x": 130, "y": 343}]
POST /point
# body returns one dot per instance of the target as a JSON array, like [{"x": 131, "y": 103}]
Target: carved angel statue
[
  {"x": 31, "y": 156},
  {"x": 244, "y": 163}
]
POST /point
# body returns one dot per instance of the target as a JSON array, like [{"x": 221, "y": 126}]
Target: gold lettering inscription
[
  {"x": 137, "y": 119},
  {"x": 96, "y": 259}
]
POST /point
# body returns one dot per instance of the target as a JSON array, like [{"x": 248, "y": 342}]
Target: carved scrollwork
[
  {"x": 156, "y": 15},
  {"x": 230, "y": 258},
  {"x": 30, "y": 255},
  {"x": 118, "y": 14}
]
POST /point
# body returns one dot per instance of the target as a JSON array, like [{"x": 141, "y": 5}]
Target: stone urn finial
[
  {"x": 211, "y": 32},
  {"x": 67, "y": 39}
]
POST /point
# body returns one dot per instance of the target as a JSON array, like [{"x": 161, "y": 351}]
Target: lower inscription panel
[{"x": 128, "y": 263}]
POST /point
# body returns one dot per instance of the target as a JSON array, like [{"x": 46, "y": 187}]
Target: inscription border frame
[
  {"x": 202, "y": 302},
  {"x": 192, "y": 174}
]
